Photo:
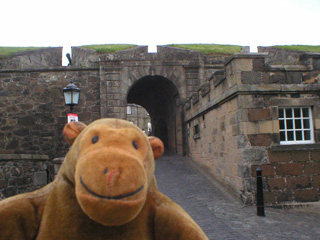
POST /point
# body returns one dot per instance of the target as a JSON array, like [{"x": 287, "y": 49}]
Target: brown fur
[{"x": 105, "y": 189}]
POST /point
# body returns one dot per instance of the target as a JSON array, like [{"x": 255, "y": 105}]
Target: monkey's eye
[
  {"x": 135, "y": 145},
  {"x": 95, "y": 139}
]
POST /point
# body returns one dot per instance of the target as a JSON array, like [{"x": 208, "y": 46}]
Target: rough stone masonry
[{"x": 221, "y": 110}]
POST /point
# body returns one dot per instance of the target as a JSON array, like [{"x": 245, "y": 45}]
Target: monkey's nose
[{"x": 112, "y": 176}]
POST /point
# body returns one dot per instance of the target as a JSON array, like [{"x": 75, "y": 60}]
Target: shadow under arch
[{"x": 158, "y": 95}]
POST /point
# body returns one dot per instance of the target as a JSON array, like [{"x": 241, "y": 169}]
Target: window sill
[
  {"x": 196, "y": 136},
  {"x": 295, "y": 147}
]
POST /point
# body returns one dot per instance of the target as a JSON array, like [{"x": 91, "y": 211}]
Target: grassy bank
[
  {"x": 305, "y": 48},
  {"x": 109, "y": 48},
  {"x": 9, "y": 51},
  {"x": 210, "y": 48}
]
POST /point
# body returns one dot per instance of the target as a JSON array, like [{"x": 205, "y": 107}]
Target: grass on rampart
[
  {"x": 304, "y": 48},
  {"x": 9, "y": 51},
  {"x": 210, "y": 48},
  {"x": 109, "y": 48}
]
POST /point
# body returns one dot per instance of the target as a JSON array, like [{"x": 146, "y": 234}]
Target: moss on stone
[
  {"x": 210, "y": 48},
  {"x": 109, "y": 48},
  {"x": 304, "y": 48},
  {"x": 9, "y": 51}
]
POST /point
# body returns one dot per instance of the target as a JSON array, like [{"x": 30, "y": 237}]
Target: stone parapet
[
  {"x": 42, "y": 58},
  {"x": 233, "y": 131},
  {"x": 21, "y": 173},
  {"x": 32, "y": 110}
]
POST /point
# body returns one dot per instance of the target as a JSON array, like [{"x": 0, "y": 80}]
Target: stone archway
[{"x": 158, "y": 95}]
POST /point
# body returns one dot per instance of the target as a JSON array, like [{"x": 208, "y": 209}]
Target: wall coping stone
[
  {"x": 246, "y": 55},
  {"x": 58, "y": 160},
  {"x": 296, "y": 68},
  {"x": 295, "y": 147},
  {"x": 252, "y": 89},
  {"x": 10, "y": 157},
  {"x": 50, "y": 69}
]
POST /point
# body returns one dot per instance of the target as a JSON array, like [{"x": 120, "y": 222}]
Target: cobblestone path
[{"x": 221, "y": 215}]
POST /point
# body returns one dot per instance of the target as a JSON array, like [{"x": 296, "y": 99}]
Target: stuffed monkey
[{"x": 105, "y": 189}]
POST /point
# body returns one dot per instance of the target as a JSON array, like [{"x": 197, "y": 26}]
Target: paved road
[{"x": 223, "y": 216}]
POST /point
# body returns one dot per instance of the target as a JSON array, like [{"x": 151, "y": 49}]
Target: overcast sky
[{"x": 147, "y": 22}]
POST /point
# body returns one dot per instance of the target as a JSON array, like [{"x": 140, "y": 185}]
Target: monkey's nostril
[{"x": 106, "y": 171}]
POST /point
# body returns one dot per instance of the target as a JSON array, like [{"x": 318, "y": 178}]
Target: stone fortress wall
[
  {"x": 229, "y": 106},
  {"x": 233, "y": 125}
]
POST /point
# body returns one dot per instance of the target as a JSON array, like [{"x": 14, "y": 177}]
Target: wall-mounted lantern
[{"x": 71, "y": 95}]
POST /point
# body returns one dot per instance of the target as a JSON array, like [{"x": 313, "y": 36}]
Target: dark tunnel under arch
[{"x": 158, "y": 95}]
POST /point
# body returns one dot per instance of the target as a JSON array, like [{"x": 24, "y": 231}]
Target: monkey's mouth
[{"x": 121, "y": 196}]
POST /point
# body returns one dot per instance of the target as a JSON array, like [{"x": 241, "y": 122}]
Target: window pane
[
  {"x": 297, "y": 112},
  {"x": 282, "y": 136},
  {"x": 288, "y": 112},
  {"x": 281, "y": 111},
  {"x": 289, "y": 124},
  {"x": 298, "y": 124},
  {"x": 75, "y": 97},
  {"x": 281, "y": 124},
  {"x": 299, "y": 135},
  {"x": 306, "y": 123},
  {"x": 128, "y": 109},
  {"x": 307, "y": 135},
  {"x": 290, "y": 135},
  {"x": 196, "y": 129},
  {"x": 295, "y": 125},
  {"x": 305, "y": 112}
]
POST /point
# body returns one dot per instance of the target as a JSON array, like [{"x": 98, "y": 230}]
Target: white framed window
[
  {"x": 295, "y": 124},
  {"x": 129, "y": 111}
]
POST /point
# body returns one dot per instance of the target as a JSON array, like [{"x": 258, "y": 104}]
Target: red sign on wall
[{"x": 72, "y": 117}]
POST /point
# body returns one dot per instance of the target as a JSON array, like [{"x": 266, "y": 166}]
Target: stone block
[
  {"x": 260, "y": 140},
  {"x": 277, "y": 157},
  {"x": 16, "y": 171},
  {"x": 284, "y": 196},
  {"x": 23, "y": 180},
  {"x": 39, "y": 178},
  {"x": 266, "y": 127},
  {"x": 277, "y": 77},
  {"x": 259, "y": 114},
  {"x": 243, "y": 171},
  {"x": 292, "y": 169},
  {"x": 253, "y": 155},
  {"x": 27, "y": 121},
  {"x": 10, "y": 191},
  {"x": 249, "y": 128},
  {"x": 315, "y": 156},
  {"x": 316, "y": 182},
  {"x": 298, "y": 182},
  {"x": 242, "y": 141},
  {"x": 236, "y": 130},
  {"x": 85, "y": 116},
  {"x": 301, "y": 156},
  {"x": 251, "y": 77},
  {"x": 312, "y": 168},
  {"x": 113, "y": 77},
  {"x": 267, "y": 170},
  {"x": 316, "y": 63},
  {"x": 258, "y": 65},
  {"x": 276, "y": 183},
  {"x": 251, "y": 101},
  {"x": 293, "y": 77},
  {"x": 269, "y": 197},
  {"x": 3, "y": 184},
  {"x": 306, "y": 195}
]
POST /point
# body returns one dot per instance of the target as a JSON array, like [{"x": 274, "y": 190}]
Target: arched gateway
[
  {"x": 160, "y": 82},
  {"x": 158, "y": 95}
]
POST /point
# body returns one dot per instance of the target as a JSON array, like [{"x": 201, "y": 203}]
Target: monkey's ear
[
  {"x": 157, "y": 147},
  {"x": 72, "y": 130}
]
